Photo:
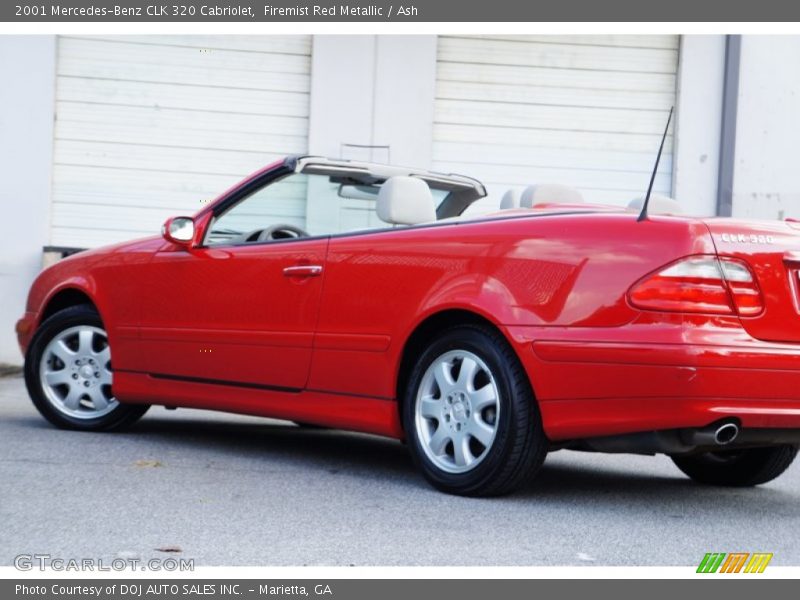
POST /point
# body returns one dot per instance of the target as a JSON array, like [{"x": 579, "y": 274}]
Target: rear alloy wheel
[
  {"x": 68, "y": 373},
  {"x": 457, "y": 409},
  {"x": 472, "y": 423},
  {"x": 743, "y": 467}
]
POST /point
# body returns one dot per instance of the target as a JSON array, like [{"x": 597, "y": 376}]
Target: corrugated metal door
[
  {"x": 586, "y": 111},
  {"x": 152, "y": 126}
]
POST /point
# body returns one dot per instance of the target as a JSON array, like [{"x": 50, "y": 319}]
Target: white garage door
[
  {"x": 587, "y": 111},
  {"x": 152, "y": 126}
]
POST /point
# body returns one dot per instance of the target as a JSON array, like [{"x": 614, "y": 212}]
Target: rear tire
[
  {"x": 737, "y": 468},
  {"x": 304, "y": 425},
  {"x": 471, "y": 421},
  {"x": 68, "y": 374}
]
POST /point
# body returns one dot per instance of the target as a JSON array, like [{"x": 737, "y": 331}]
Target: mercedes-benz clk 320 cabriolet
[{"x": 483, "y": 342}]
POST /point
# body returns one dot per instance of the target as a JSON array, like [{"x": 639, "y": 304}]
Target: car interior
[
  {"x": 543, "y": 193},
  {"x": 357, "y": 198},
  {"x": 555, "y": 193},
  {"x": 658, "y": 205}
]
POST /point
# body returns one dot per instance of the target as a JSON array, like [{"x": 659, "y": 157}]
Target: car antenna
[{"x": 643, "y": 214}]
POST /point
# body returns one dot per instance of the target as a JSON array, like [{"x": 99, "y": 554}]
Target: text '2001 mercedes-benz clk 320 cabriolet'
[{"x": 483, "y": 342}]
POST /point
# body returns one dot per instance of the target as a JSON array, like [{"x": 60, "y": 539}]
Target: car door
[
  {"x": 236, "y": 309},
  {"x": 238, "y": 315}
]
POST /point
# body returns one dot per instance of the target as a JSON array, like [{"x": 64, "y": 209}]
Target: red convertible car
[{"x": 484, "y": 342}]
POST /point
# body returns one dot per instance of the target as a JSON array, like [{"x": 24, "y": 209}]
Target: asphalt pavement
[{"x": 230, "y": 490}]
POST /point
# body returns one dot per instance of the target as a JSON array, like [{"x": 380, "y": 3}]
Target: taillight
[
  {"x": 743, "y": 286},
  {"x": 700, "y": 284}
]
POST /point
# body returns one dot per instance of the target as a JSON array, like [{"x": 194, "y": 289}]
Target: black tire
[
  {"x": 519, "y": 446},
  {"x": 304, "y": 425},
  {"x": 737, "y": 468},
  {"x": 120, "y": 417}
]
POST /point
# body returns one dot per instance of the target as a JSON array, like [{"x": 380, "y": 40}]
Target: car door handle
[{"x": 303, "y": 271}]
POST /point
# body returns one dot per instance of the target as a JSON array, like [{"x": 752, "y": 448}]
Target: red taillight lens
[
  {"x": 700, "y": 284},
  {"x": 743, "y": 286}
]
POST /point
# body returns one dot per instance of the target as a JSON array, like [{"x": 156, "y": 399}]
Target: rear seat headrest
[
  {"x": 405, "y": 201},
  {"x": 658, "y": 205},
  {"x": 550, "y": 193},
  {"x": 511, "y": 199}
]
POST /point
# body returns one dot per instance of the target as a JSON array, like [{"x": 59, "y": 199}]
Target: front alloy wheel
[
  {"x": 69, "y": 376},
  {"x": 75, "y": 373},
  {"x": 472, "y": 423}
]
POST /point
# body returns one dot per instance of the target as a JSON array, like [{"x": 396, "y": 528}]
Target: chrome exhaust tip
[
  {"x": 714, "y": 435},
  {"x": 725, "y": 434}
]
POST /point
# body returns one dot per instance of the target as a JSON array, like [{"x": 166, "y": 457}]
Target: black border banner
[
  {"x": 709, "y": 586},
  {"x": 320, "y": 11}
]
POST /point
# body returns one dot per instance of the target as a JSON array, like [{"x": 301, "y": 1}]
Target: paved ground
[{"x": 232, "y": 490}]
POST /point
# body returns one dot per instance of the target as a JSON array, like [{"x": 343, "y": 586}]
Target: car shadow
[
  {"x": 373, "y": 458},
  {"x": 332, "y": 450},
  {"x": 607, "y": 487},
  {"x": 597, "y": 481}
]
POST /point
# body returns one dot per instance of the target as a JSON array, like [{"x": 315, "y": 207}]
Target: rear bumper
[
  {"x": 586, "y": 418},
  {"x": 588, "y": 388}
]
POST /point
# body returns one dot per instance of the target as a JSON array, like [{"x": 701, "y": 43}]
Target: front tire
[
  {"x": 68, "y": 373},
  {"x": 737, "y": 468},
  {"x": 471, "y": 420}
]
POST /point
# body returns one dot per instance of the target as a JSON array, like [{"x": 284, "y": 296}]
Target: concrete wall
[
  {"x": 373, "y": 90},
  {"x": 698, "y": 120},
  {"x": 27, "y": 72},
  {"x": 766, "y": 183},
  {"x": 370, "y": 91}
]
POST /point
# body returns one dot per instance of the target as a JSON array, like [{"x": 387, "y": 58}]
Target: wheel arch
[
  {"x": 426, "y": 329},
  {"x": 65, "y": 298}
]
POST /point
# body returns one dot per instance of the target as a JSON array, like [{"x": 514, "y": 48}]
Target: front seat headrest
[
  {"x": 511, "y": 199},
  {"x": 550, "y": 193},
  {"x": 658, "y": 205},
  {"x": 405, "y": 201}
]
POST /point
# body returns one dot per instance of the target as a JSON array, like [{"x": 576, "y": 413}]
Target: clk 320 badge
[{"x": 745, "y": 238}]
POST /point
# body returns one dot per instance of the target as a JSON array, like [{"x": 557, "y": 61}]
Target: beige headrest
[
  {"x": 405, "y": 201},
  {"x": 550, "y": 193},
  {"x": 511, "y": 199},
  {"x": 658, "y": 205}
]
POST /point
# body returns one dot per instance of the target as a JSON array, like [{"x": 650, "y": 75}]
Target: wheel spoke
[
  {"x": 105, "y": 376},
  {"x": 444, "y": 376},
  {"x": 98, "y": 399},
  {"x": 73, "y": 398},
  {"x": 439, "y": 440},
  {"x": 430, "y": 408},
  {"x": 486, "y": 396},
  {"x": 480, "y": 431},
  {"x": 466, "y": 375},
  {"x": 85, "y": 337},
  {"x": 461, "y": 452},
  {"x": 62, "y": 351},
  {"x": 104, "y": 356},
  {"x": 55, "y": 378}
]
